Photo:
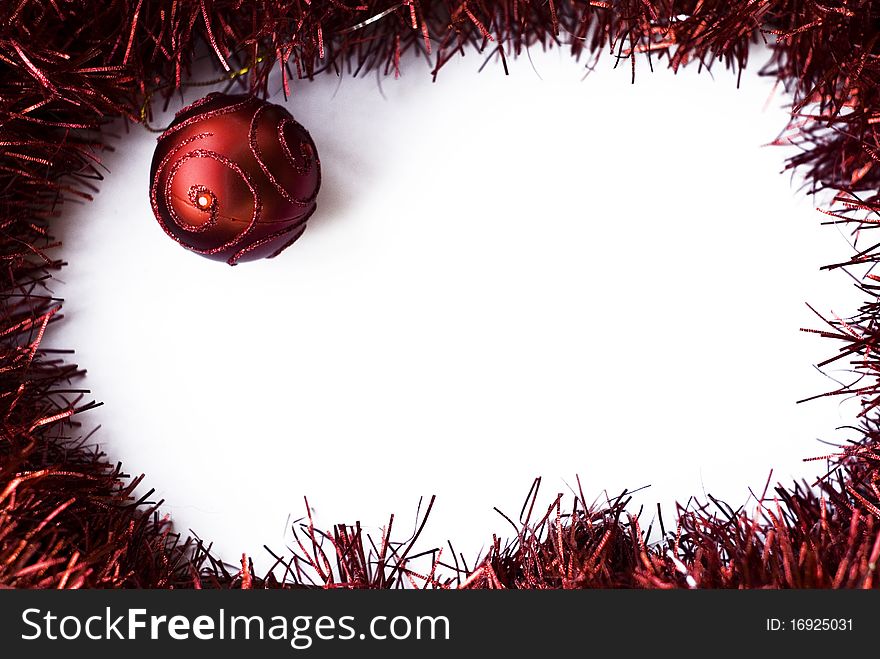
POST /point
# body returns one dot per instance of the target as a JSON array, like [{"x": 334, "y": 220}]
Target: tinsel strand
[{"x": 68, "y": 517}]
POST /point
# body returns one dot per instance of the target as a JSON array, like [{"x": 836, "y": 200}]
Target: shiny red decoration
[{"x": 234, "y": 178}]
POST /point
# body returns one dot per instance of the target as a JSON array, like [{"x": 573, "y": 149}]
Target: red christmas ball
[{"x": 234, "y": 178}]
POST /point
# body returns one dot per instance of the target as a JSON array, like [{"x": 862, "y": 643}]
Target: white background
[{"x": 507, "y": 277}]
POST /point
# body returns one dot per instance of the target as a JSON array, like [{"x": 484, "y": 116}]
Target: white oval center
[{"x": 506, "y": 277}]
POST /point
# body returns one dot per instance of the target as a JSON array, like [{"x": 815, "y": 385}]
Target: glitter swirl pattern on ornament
[{"x": 234, "y": 178}]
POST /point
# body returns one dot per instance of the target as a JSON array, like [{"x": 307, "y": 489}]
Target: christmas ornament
[{"x": 234, "y": 178}]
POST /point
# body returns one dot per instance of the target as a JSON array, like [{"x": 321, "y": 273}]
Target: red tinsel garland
[{"x": 67, "y": 517}]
